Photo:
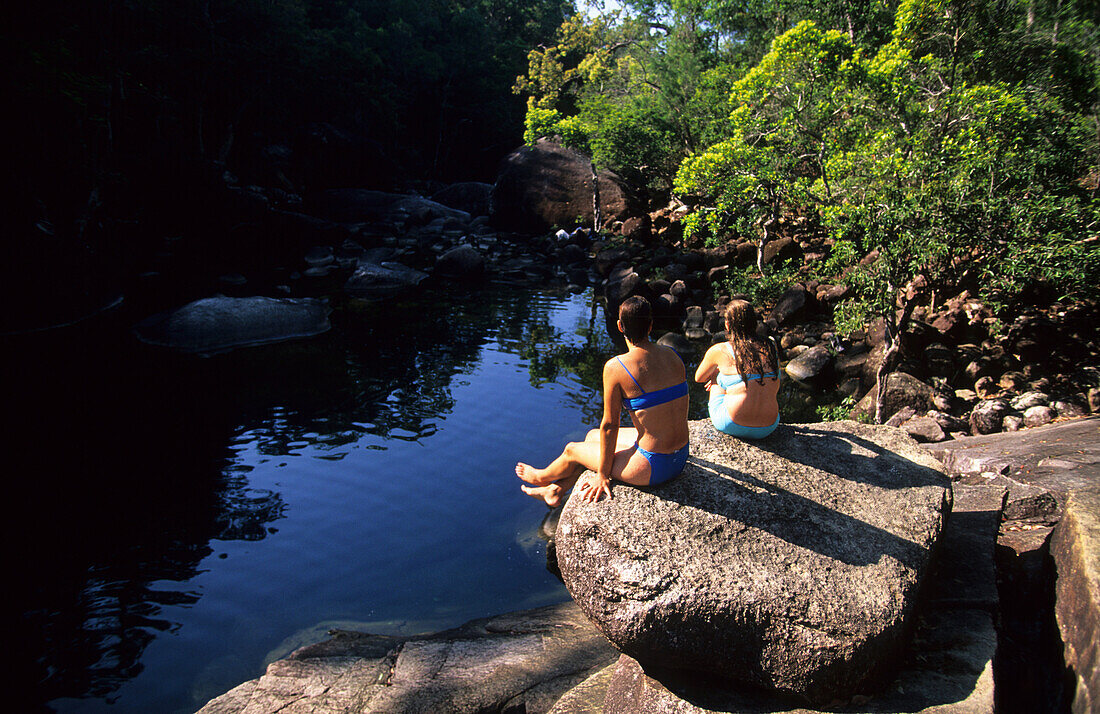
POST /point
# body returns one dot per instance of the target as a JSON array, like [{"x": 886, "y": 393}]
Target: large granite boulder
[
  {"x": 792, "y": 563},
  {"x": 219, "y": 323},
  {"x": 469, "y": 196},
  {"x": 549, "y": 185}
]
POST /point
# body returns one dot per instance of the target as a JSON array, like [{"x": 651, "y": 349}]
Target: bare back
[
  {"x": 752, "y": 401},
  {"x": 650, "y": 368}
]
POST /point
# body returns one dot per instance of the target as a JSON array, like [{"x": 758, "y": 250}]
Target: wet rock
[
  {"x": 471, "y": 197},
  {"x": 354, "y": 205},
  {"x": 713, "y": 322},
  {"x": 693, "y": 318},
  {"x": 792, "y": 567},
  {"x": 681, "y": 344},
  {"x": 320, "y": 256},
  {"x": 218, "y": 324},
  {"x": 609, "y": 258},
  {"x": 378, "y": 280},
  {"x": 987, "y": 416},
  {"x": 621, "y": 284},
  {"x": 1038, "y": 415}
]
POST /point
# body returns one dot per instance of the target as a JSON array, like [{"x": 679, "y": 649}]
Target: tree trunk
[
  {"x": 595, "y": 199},
  {"x": 895, "y": 326}
]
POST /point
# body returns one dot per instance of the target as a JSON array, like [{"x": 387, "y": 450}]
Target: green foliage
[
  {"x": 837, "y": 411},
  {"x": 917, "y": 152},
  {"x": 761, "y": 289}
]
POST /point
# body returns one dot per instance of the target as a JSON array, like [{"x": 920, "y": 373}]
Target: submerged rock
[
  {"x": 219, "y": 323},
  {"x": 790, "y": 564}
]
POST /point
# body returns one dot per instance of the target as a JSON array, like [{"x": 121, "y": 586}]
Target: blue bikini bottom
[
  {"x": 720, "y": 417},
  {"x": 663, "y": 467}
]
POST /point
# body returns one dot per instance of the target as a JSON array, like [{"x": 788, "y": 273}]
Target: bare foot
[
  {"x": 552, "y": 493},
  {"x": 530, "y": 474}
]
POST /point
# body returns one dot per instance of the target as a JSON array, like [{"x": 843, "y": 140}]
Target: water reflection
[{"x": 126, "y": 473}]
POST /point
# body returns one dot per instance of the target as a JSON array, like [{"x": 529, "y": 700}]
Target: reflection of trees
[{"x": 130, "y": 474}]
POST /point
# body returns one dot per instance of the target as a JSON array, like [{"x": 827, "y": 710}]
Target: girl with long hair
[{"x": 742, "y": 376}]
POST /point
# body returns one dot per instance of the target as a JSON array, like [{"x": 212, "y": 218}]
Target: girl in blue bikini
[
  {"x": 742, "y": 376},
  {"x": 650, "y": 381}
]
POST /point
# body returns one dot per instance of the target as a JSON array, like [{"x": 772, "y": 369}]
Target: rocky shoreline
[{"x": 992, "y": 632}]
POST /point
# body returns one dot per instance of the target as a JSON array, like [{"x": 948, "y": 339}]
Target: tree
[{"x": 926, "y": 165}]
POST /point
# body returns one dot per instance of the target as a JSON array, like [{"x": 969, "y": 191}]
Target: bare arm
[
  {"x": 708, "y": 368},
  {"x": 609, "y": 435}
]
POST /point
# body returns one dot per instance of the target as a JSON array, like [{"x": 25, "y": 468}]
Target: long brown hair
[{"x": 749, "y": 351}]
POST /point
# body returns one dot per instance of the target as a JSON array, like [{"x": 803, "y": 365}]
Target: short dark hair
[{"x": 637, "y": 318}]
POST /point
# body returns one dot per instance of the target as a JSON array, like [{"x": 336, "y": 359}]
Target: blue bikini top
[{"x": 652, "y": 399}]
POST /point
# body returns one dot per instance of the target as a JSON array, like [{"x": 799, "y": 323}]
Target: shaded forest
[{"x": 125, "y": 112}]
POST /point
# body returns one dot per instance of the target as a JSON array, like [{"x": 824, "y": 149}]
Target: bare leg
[
  {"x": 553, "y": 493},
  {"x": 577, "y": 456}
]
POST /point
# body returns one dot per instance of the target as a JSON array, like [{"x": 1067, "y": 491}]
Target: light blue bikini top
[
  {"x": 652, "y": 399},
  {"x": 725, "y": 381}
]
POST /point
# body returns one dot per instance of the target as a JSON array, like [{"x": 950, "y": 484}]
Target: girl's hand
[{"x": 593, "y": 486}]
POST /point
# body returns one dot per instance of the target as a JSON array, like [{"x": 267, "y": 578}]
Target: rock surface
[
  {"x": 790, "y": 564},
  {"x": 1075, "y": 547},
  {"x": 219, "y": 323},
  {"x": 521, "y": 661}
]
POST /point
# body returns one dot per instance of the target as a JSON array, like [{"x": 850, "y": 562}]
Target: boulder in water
[
  {"x": 219, "y": 323},
  {"x": 378, "y": 280}
]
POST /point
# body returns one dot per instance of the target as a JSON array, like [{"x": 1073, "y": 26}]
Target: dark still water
[{"x": 176, "y": 522}]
